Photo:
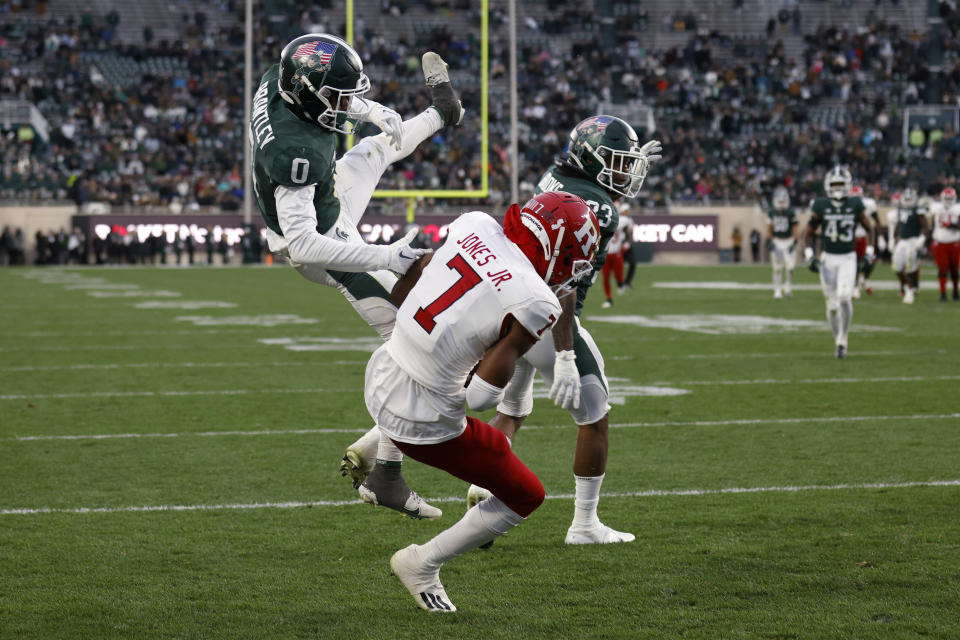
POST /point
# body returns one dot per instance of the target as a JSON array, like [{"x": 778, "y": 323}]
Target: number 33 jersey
[{"x": 457, "y": 310}]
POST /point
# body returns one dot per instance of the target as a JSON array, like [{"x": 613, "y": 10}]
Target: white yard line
[
  {"x": 650, "y": 493},
  {"x": 178, "y": 365},
  {"x": 234, "y": 392},
  {"x": 616, "y": 425},
  {"x": 158, "y": 394}
]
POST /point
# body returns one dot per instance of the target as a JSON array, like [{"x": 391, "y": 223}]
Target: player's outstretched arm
[{"x": 298, "y": 222}]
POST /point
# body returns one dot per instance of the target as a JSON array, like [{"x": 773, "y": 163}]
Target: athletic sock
[
  {"x": 489, "y": 519},
  {"x": 585, "y": 501}
]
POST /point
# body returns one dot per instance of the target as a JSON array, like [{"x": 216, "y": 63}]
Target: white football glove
[
  {"x": 390, "y": 123},
  {"x": 870, "y": 251},
  {"x": 652, "y": 150},
  {"x": 565, "y": 391},
  {"x": 402, "y": 255}
]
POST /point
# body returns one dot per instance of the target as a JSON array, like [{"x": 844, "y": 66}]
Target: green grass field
[{"x": 170, "y": 472}]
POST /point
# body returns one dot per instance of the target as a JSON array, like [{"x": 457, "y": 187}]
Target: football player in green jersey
[
  {"x": 783, "y": 233},
  {"x": 603, "y": 162},
  {"x": 834, "y": 217},
  {"x": 910, "y": 238},
  {"x": 312, "y": 202}
]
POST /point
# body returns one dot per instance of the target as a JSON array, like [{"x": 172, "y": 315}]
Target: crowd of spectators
[{"x": 732, "y": 125}]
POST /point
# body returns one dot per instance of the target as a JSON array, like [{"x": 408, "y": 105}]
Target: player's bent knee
[{"x": 593, "y": 401}]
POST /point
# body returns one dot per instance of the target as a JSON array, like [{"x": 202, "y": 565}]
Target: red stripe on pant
[{"x": 481, "y": 455}]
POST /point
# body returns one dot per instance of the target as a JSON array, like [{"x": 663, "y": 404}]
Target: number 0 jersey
[
  {"x": 456, "y": 311},
  {"x": 288, "y": 152},
  {"x": 838, "y": 219}
]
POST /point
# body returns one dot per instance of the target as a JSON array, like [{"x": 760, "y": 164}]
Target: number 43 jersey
[
  {"x": 457, "y": 310},
  {"x": 838, "y": 219}
]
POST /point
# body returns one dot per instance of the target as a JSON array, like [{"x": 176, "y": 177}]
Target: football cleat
[
  {"x": 476, "y": 495},
  {"x": 598, "y": 533},
  {"x": 856, "y": 293},
  {"x": 956, "y": 294},
  {"x": 943, "y": 296},
  {"x": 386, "y": 487},
  {"x": 607, "y": 304},
  {"x": 869, "y": 291},
  {"x": 788, "y": 294},
  {"x": 908, "y": 295},
  {"x": 445, "y": 99},
  {"x": 360, "y": 457},
  {"x": 422, "y": 582},
  {"x": 841, "y": 352},
  {"x": 777, "y": 294}
]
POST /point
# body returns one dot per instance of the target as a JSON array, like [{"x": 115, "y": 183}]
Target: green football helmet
[
  {"x": 608, "y": 149},
  {"x": 836, "y": 184},
  {"x": 320, "y": 75}
]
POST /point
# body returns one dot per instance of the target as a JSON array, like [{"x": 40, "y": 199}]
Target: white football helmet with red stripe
[{"x": 948, "y": 197}]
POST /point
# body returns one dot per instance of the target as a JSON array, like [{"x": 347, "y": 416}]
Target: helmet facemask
[
  {"x": 837, "y": 183},
  {"x": 623, "y": 171},
  {"x": 909, "y": 197},
  {"x": 781, "y": 199}
]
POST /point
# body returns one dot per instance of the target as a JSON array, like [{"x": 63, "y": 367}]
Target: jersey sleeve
[{"x": 537, "y": 316}]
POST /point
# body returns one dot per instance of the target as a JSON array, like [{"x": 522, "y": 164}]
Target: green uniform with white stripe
[
  {"x": 561, "y": 177},
  {"x": 908, "y": 222},
  {"x": 839, "y": 221},
  {"x": 293, "y": 153},
  {"x": 782, "y": 221}
]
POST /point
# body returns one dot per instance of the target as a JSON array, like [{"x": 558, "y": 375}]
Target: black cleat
[
  {"x": 444, "y": 98},
  {"x": 841, "y": 352}
]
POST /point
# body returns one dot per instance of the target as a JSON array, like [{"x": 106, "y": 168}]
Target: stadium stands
[{"x": 144, "y": 101}]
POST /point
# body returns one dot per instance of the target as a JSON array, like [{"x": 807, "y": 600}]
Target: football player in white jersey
[
  {"x": 946, "y": 240},
  {"x": 866, "y": 255},
  {"x": 483, "y": 299}
]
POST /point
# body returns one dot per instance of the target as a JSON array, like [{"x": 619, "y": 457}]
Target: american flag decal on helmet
[
  {"x": 600, "y": 122},
  {"x": 324, "y": 49}
]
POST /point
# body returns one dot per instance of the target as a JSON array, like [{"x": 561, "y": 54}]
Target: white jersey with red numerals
[
  {"x": 458, "y": 309},
  {"x": 869, "y": 208},
  {"x": 946, "y": 222}
]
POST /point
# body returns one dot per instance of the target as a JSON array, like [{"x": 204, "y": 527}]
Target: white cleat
[
  {"x": 856, "y": 293},
  {"x": 777, "y": 294},
  {"x": 437, "y": 79},
  {"x": 598, "y": 533},
  {"x": 422, "y": 583},
  {"x": 360, "y": 457},
  {"x": 908, "y": 295}
]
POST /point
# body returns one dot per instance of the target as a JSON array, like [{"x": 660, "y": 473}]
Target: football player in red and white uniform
[
  {"x": 946, "y": 240},
  {"x": 483, "y": 299},
  {"x": 614, "y": 262},
  {"x": 866, "y": 255}
]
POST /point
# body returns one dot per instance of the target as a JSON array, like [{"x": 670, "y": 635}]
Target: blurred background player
[
  {"x": 613, "y": 264},
  {"x": 865, "y": 263},
  {"x": 603, "y": 161},
  {"x": 486, "y": 296},
  {"x": 311, "y": 205},
  {"x": 629, "y": 257},
  {"x": 783, "y": 233},
  {"x": 834, "y": 216},
  {"x": 946, "y": 240},
  {"x": 910, "y": 238}
]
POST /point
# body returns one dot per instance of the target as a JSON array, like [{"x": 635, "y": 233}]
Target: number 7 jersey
[
  {"x": 460, "y": 306},
  {"x": 839, "y": 220}
]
